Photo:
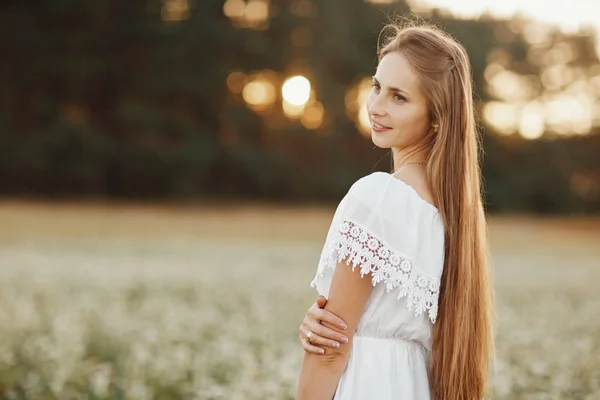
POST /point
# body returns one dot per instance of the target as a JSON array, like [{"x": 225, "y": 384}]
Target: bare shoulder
[{"x": 417, "y": 180}]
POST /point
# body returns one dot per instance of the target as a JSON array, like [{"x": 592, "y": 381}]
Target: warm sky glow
[
  {"x": 569, "y": 15},
  {"x": 569, "y": 113}
]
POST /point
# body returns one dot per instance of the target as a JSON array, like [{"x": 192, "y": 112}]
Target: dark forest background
[{"x": 130, "y": 100}]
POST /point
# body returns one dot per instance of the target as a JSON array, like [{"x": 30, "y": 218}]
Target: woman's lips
[{"x": 378, "y": 127}]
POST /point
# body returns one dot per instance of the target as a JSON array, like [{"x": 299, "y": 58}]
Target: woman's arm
[
  {"x": 321, "y": 336},
  {"x": 348, "y": 295}
]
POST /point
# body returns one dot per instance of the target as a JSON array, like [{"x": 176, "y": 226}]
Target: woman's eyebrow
[{"x": 393, "y": 89}]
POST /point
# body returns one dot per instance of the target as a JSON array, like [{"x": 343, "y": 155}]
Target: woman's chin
[{"x": 380, "y": 140}]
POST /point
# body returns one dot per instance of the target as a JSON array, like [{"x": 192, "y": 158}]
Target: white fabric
[{"x": 388, "y": 233}]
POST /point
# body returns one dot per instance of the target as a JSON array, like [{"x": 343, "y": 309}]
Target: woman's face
[{"x": 397, "y": 105}]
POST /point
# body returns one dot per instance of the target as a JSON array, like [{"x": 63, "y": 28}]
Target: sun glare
[{"x": 296, "y": 90}]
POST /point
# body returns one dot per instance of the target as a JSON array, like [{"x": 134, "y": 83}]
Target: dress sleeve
[{"x": 357, "y": 239}]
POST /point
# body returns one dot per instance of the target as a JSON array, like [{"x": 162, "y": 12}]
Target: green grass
[{"x": 130, "y": 302}]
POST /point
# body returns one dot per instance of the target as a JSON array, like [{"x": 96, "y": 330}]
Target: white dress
[{"x": 383, "y": 228}]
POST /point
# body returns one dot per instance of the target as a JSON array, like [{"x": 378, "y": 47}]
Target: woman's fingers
[
  {"x": 320, "y": 335},
  {"x": 325, "y": 315},
  {"x": 308, "y": 346},
  {"x": 323, "y": 335},
  {"x": 321, "y": 301},
  {"x": 312, "y": 349}
]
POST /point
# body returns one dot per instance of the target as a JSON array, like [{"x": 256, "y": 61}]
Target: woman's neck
[{"x": 403, "y": 156}]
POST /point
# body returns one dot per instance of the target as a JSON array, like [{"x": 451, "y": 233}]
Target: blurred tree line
[{"x": 106, "y": 98}]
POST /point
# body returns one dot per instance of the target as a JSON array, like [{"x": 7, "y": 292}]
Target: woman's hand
[{"x": 320, "y": 336}]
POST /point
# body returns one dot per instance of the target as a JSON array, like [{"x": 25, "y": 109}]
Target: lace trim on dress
[{"x": 360, "y": 248}]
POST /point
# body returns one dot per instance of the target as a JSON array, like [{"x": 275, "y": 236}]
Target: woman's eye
[
  {"x": 398, "y": 97},
  {"x": 375, "y": 86}
]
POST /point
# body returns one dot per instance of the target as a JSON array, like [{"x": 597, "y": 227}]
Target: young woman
[{"x": 405, "y": 265}]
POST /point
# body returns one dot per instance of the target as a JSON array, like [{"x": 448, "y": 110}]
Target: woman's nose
[{"x": 375, "y": 105}]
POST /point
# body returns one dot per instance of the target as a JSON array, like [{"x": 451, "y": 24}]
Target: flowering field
[{"x": 124, "y": 302}]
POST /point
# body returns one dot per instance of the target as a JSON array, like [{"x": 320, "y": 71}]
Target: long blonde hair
[{"x": 462, "y": 347}]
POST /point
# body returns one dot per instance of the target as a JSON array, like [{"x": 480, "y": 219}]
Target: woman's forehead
[{"x": 395, "y": 71}]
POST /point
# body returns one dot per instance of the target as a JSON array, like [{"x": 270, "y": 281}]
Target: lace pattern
[{"x": 361, "y": 249}]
